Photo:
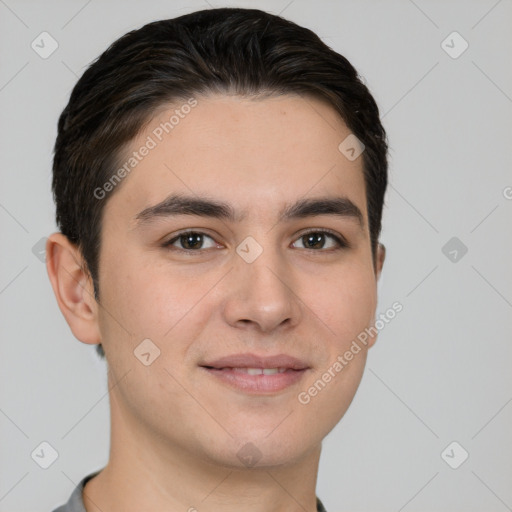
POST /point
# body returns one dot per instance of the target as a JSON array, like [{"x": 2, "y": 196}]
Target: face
[{"x": 269, "y": 273}]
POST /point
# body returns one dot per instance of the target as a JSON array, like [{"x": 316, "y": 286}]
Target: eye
[
  {"x": 316, "y": 239},
  {"x": 190, "y": 241},
  {"x": 193, "y": 241}
]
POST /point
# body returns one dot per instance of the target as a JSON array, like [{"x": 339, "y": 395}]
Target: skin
[{"x": 176, "y": 430}]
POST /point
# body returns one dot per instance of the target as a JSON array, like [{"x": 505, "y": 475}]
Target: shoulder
[
  {"x": 76, "y": 502},
  {"x": 319, "y": 505}
]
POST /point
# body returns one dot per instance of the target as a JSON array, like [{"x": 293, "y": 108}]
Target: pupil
[
  {"x": 191, "y": 240},
  {"x": 314, "y": 239}
]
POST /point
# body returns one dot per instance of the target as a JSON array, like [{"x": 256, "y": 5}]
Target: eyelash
[{"x": 342, "y": 243}]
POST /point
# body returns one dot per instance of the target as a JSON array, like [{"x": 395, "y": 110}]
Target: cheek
[
  {"x": 139, "y": 293},
  {"x": 347, "y": 307},
  {"x": 347, "y": 304},
  {"x": 156, "y": 302}
]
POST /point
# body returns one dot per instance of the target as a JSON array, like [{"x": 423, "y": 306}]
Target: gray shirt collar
[{"x": 76, "y": 501}]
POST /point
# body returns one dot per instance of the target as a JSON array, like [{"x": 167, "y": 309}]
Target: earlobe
[
  {"x": 379, "y": 263},
  {"x": 380, "y": 257},
  {"x": 72, "y": 287}
]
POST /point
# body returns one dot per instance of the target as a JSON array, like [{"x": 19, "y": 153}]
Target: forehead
[{"x": 256, "y": 154}]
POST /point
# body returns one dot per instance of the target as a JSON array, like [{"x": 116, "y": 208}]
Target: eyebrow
[{"x": 175, "y": 204}]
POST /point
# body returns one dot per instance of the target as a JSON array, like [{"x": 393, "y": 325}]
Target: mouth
[
  {"x": 252, "y": 371},
  {"x": 257, "y": 374}
]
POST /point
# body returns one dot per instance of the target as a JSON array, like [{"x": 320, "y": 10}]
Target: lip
[{"x": 229, "y": 370}]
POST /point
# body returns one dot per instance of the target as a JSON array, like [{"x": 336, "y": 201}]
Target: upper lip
[{"x": 255, "y": 361}]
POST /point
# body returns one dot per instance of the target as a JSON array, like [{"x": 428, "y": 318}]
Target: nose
[{"x": 262, "y": 295}]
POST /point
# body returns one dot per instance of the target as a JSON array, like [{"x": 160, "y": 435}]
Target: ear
[
  {"x": 380, "y": 257},
  {"x": 73, "y": 288},
  {"x": 379, "y": 263}
]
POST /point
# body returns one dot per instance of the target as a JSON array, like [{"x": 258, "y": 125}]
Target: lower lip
[{"x": 257, "y": 383}]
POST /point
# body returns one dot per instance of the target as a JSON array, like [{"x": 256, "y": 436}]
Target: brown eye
[
  {"x": 315, "y": 240},
  {"x": 189, "y": 241}
]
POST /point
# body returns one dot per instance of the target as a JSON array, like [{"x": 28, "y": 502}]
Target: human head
[
  {"x": 246, "y": 52},
  {"x": 258, "y": 146}
]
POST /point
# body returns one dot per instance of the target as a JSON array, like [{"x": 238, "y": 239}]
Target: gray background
[{"x": 440, "y": 371}]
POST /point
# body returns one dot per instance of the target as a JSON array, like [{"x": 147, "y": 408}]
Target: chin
[{"x": 268, "y": 450}]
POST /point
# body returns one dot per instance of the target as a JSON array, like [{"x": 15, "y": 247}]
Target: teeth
[
  {"x": 261, "y": 371},
  {"x": 254, "y": 371}
]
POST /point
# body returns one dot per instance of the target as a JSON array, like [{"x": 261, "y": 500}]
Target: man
[{"x": 219, "y": 181}]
